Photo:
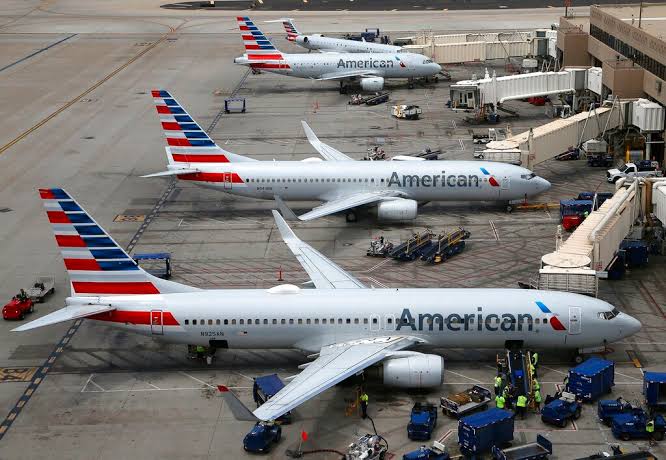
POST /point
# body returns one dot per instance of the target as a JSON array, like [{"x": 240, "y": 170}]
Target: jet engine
[
  {"x": 372, "y": 84},
  {"x": 398, "y": 209},
  {"x": 416, "y": 371}
]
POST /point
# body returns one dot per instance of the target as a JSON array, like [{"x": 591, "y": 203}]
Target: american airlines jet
[
  {"x": 370, "y": 69},
  {"x": 319, "y": 42},
  {"x": 347, "y": 326},
  {"x": 343, "y": 184}
]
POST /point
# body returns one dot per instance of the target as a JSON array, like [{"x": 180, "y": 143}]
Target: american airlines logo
[
  {"x": 366, "y": 64},
  {"x": 506, "y": 322},
  {"x": 434, "y": 180}
]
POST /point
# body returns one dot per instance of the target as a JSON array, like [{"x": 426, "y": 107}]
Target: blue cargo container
[
  {"x": 575, "y": 207},
  {"x": 592, "y": 378},
  {"x": 481, "y": 431},
  {"x": 266, "y": 387},
  {"x": 654, "y": 389},
  {"x": 636, "y": 252}
]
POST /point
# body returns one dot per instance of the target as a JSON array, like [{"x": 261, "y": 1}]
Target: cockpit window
[
  {"x": 528, "y": 176},
  {"x": 609, "y": 314}
]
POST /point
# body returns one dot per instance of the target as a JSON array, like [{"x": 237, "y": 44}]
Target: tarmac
[{"x": 74, "y": 86}]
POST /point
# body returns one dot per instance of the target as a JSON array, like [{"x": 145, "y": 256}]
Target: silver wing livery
[
  {"x": 393, "y": 188},
  {"x": 370, "y": 69},
  {"x": 346, "y": 326}
]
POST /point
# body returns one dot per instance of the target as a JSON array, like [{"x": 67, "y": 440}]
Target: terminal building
[{"x": 627, "y": 43}]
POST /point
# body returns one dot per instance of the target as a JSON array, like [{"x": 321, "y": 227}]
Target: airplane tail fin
[
  {"x": 96, "y": 264},
  {"x": 260, "y": 52},
  {"x": 290, "y": 28},
  {"x": 187, "y": 141}
]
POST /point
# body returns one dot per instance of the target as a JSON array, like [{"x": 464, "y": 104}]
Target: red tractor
[{"x": 18, "y": 306}]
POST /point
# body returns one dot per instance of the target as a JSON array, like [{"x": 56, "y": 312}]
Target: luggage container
[
  {"x": 636, "y": 253},
  {"x": 481, "y": 431},
  {"x": 266, "y": 387},
  {"x": 592, "y": 379},
  {"x": 654, "y": 389}
]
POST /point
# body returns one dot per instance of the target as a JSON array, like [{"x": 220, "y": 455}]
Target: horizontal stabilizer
[
  {"x": 240, "y": 410},
  {"x": 65, "y": 314},
  {"x": 172, "y": 172}
]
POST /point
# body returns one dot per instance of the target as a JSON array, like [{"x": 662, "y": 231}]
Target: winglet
[
  {"x": 325, "y": 150},
  {"x": 240, "y": 410},
  {"x": 284, "y": 209}
]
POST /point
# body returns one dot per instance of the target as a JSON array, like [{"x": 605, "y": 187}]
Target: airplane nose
[
  {"x": 438, "y": 68},
  {"x": 633, "y": 325},
  {"x": 543, "y": 184}
]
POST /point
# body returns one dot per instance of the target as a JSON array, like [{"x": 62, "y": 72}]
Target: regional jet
[
  {"x": 319, "y": 42},
  {"x": 394, "y": 188},
  {"x": 347, "y": 326},
  {"x": 370, "y": 69}
]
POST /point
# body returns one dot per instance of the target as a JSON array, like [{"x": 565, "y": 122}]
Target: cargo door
[
  {"x": 156, "y": 326},
  {"x": 227, "y": 180},
  {"x": 574, "y": 320}
]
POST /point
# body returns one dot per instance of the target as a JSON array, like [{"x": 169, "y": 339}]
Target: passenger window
[
  {"x": 323, "y": 321},
  {"x": 365, "y": 320},
  {"x": 275, "y": 321},
  {"x": 291, "y": 321},
  {"x": 233, "y": 322},
  {"x": 226, "y": 322},
  {"x": 240, "y": 321},
  {"x": 332, "y": 321},
  {"x": 374, "y": 320},
  {"x": 265, "y": 321},
  {"x": 389, "y": 320},
  {"x": 316, "y": 320},
  {"x": 210, "y": 322},
  {"x": 372, "y": 179},
  {"x": 348, "y": 321},
  {"x": 537, "y": 321},
  {"x": 307, "y": 321},
  {"x": 283, "y": 321},
  {"x": 194, "y": 322},
  {"x": 187, "y": 321},
  {"x": 339, "y": 320}
]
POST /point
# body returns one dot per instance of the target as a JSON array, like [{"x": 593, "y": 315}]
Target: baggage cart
[
  {"x": 654, "y": 389},
  {"x": 42, "y": 286},
  {"x": 538, "y": 450},
  {"x": 465, "y": 402},
  {"x": 591, "y": 379}
]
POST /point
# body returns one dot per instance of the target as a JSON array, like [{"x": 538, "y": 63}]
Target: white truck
[
  {"x": 409, "y": 112},
  {"x": 644, "y": 168}
]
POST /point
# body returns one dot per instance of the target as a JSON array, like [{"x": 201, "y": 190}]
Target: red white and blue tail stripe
[
  {"x": 291, "y": 30},
  {"x": 94, "y": 261},
  {"x": 260, "y": 52},
  {"x": 187, "y": 141}
]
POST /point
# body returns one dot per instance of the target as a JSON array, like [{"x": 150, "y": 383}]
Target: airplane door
[
  {"x": 156, "y": 326},
  {"x": 227, "y": 180},
  {"x": 374, "y": 323},
  {"x": 505, "y": 184},
  {"x": 574, "y": 320}
]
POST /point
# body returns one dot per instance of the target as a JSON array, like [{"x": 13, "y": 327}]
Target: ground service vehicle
[
  {"x": 17, "y": 308},
  {"x": 266, "y": 387},
  {"x": 42, "y": 286},
  {"x": 437, "y": 451},
  {"x": 422, "y": 421},
  {"x": 644, "y": 168},
  {"x": 408, "y": 112},
  {"x": 479, "y": 432},
  {"x": 654, "y": 389},
  {"x": 368, "y": 447},
  {"x": 470, "y": 400},
  {"x": 632, "y": 425},
  {"x": 558, "y": 411},
  {"x": 538, "y": 450},
  {"x": 591, "y": 379},
  {"x": 609, "y": 408},
  {"x": 262, "y": 437}
]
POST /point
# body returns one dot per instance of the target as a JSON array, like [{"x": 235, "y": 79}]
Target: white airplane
[
  {"x": 319, "y": 42},
  {"x": 347, "y": 326},
  {"x": 342, "y": 183},
  {"x": 370, "y": 69}
]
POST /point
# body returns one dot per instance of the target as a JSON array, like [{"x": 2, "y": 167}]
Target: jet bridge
[{"x": 592, "y": 247}]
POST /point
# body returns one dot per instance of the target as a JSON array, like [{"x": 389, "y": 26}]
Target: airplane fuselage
[
  {"x": 327, "y": 180},
  {"x": 289, "y": 317},
  {"x": 341, "y": 45},
  {"x": 310, "y": 65}
]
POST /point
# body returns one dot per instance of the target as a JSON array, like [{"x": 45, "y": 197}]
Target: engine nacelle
[
  {"x": 372, "y": 84},
  {"x": 418, "y": 371},
  {"x": 397, "y": 210}
]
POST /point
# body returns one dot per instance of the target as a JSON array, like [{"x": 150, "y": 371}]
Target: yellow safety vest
[
  {"x": 498, "y": 381},
  {"x": 364, "y": 397},
  {"x": 649, "y": 427},
  {"x": 200, "y": 349},
  {"x": 535, "y": 384},
  {"x": 499, "y": 401},
  {"x": 522, "y": 401},
  {"x": 535, "y": 358},
  {"x": 537, "y": 396}
]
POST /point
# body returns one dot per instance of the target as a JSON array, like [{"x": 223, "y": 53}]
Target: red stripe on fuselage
[
  {"x": 557, "y": 325},
  {"x": 212, "y": 177},
  {"x": 263, "y": 65},
  {"x": 185, "y": 158},
  {"x": 265, "y": 57},
  {"x": 134, "y": 317},
  {"x": 118, "y": 287}
]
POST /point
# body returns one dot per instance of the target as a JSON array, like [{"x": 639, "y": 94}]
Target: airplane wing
[
  {"x": 324, "y": 273},
  {"x": 347, "y": 202},
  {"x": 347, "y": 74},
  {"x": 335, "y": 363},
  {"x": 65, "y": 314},
  {"x": 173, "y": 172},
  {"x": 325, "y": 150}
]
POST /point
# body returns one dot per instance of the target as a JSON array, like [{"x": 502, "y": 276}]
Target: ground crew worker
[
  {"x": 649, "y": 427},
  {"x": 533, "y": 371},
  {"x": 506, "y": 394},
  {"x": 200, "y": 351},
  {"x": 565, "y": 382},
  {"x": 585, "y": 214},
  {"x": 537, "y": 400},
  {"x": 536, "y": 385},
  {"x": 500, "y": 401},
  {"x": 535, "y": 359},
  {"x": 22, "y": 296},
  {"x": 498, "y": 384},
  {"x": 364, "y": 404},
  {"x": 521, "y": 405}
]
